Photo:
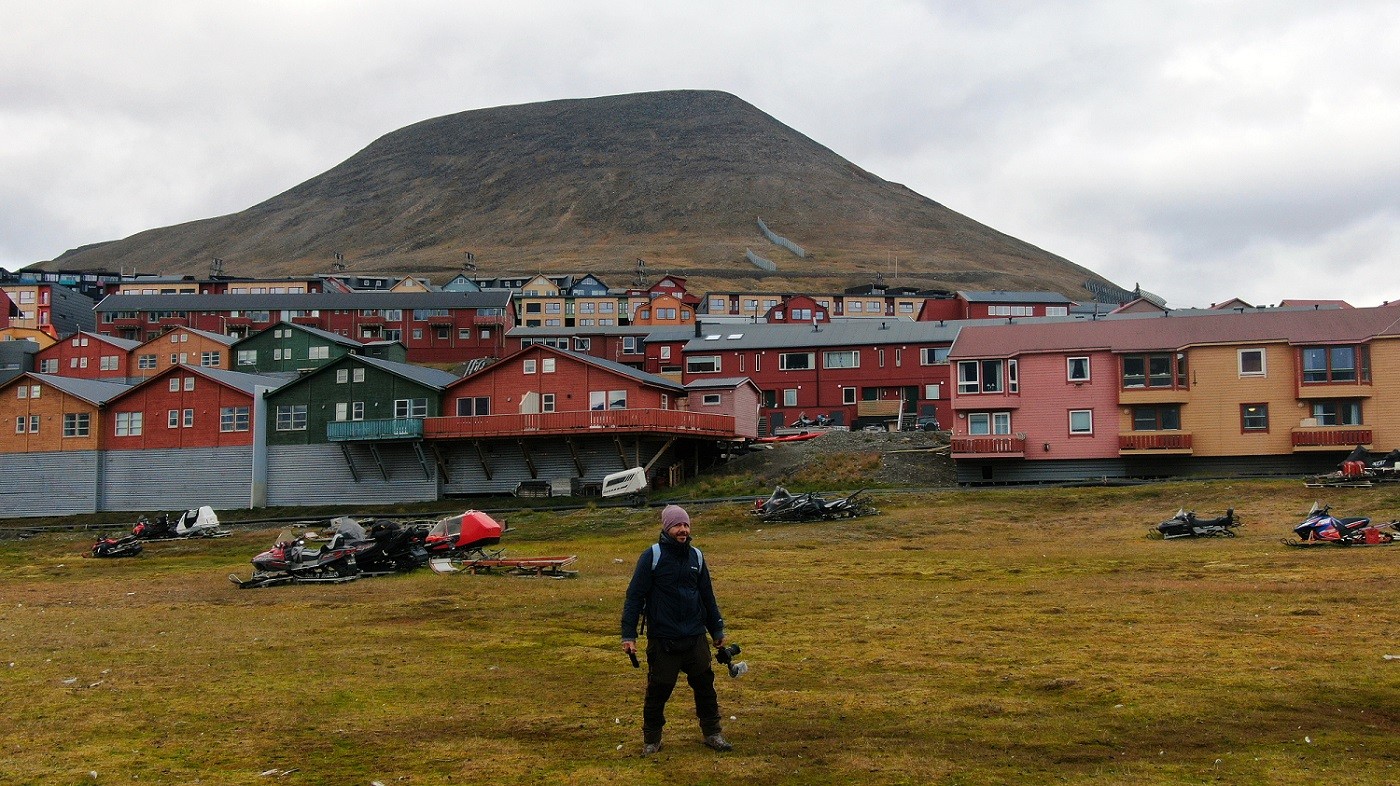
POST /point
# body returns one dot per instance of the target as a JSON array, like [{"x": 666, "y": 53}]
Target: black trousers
[{"x": 663, "y": 669}]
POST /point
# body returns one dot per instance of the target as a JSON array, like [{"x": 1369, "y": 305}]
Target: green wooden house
[
  {"x": 289, "y": 347},
  {"x": 355, "y": 399}
]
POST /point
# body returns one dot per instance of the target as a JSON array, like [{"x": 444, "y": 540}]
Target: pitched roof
[
  {"x": 1008, "y": 296},
  {"x": 856, "y": 332},
  {"x": 423, "y": 375},
  {"x": 120, "y": 343},
  {"x": 1170, "y": 332},
  {"x": 726, "y": 382},
  {"x": 90, "y": 390},
  {"x": 240, "y": 380}
]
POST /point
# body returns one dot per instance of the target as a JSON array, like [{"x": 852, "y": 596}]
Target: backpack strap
[{"x": 656, "y": 556}]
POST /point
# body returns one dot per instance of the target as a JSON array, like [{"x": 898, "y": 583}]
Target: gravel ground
[{"x": 907, "y": 459}]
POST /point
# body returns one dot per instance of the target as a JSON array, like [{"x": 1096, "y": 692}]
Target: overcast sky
[{"x": 1205, "y": 150}]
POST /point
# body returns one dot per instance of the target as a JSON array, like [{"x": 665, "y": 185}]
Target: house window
[
  {"x": 189, "y": 383},
  {"x": 547, "y": 402},
  {"x": 1157, "y": 418},
  {"x": 209, "y": 359},
  {"x": 665, "y": 353},
  {"x": 108, "y": 363},
  {"x": 790, "y": 397},
  {"x": 357, "y": 410},
  {"x": 76, "y": 424},
  {"x": 1057, "y": 311},
  {"x": 342, "y": 375},
  {"x": 1252, "y": 363},
  {"x": 128, "y": 424},
  {"x": 849, "y": 358},
  {"x": 796, "y": 361},
  {"x": 931, "y": 392},
  {"x": 617, "y": 399},
  {"x": 981, "y": 424},
  {"x": 246, "y": 357},
  {"x": 1081, "y": 421},
  {"x": 547, "y": 366},
  {"x": 710, "y": 399},
  {"x": 582, "y": 344},
  {"x": 233, "y": 419},
  {"x": 342, "y": 411},
  {"x": 848, "y": 395},
  {"x": 146, "y": 361},
  {"x": 1254, "y": 417},
  {"x": 528, "y": 366},
  {"x": 21, "y": 424},
  {"x": 1077, "y": 369},
  {"x": 702, "y": 364},
  {"x": 50, "y": 366},
  {"x": 318, "y": 353},
  {"x": 174, "y": 384},
  {"x": 291, "y": 417},
  {"x": 1337, "y": 413},
  {"x": 469, "y": 406},
  {"x": 357, "y": 375},
  {"x": 1158, "y": 370},
  {"x": 985, "y": 376},
  {"x": 189, "y": 418},
  {"x": 1336, "y": 364},
  {"x": 411, "y": 408},
  {"x": 172, "y": 418}
]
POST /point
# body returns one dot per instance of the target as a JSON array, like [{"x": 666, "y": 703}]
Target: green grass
[{"x": 1004, "y": 636}]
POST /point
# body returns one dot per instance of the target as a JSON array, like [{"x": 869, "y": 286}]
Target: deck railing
[
  {"x": 1331, "y": 437},
  {"x": 1175, "y": 440},
  {"x": 397, "y": 428},
  {"x": 590, "y": 421},
  {"x": 989, "y": 446}
]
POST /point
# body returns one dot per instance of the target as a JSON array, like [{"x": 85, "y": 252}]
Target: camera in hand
[{"x": 725, "y": 655}]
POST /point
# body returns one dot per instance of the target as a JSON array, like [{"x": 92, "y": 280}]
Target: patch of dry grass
[{"x": 1011, "y": 636}]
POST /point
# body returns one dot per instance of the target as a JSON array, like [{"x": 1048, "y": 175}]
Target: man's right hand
[{"x": 629, "y": 647}]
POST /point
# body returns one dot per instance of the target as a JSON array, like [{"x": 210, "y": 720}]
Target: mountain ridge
[{"x": 677, "y": 178}]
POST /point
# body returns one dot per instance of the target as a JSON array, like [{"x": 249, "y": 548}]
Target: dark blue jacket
[{"x": 677, "y": 595}]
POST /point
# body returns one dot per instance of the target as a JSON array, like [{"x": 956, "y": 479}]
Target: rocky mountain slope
[{"x": 679, "y": 179}]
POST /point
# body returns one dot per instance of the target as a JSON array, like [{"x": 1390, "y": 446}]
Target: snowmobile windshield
[{"x": 348, "y": 527}]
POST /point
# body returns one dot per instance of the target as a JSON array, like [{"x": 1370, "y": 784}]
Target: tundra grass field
[{"x": 960, "y": 637}]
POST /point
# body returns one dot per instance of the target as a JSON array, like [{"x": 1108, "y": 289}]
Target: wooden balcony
[
  {"x": 590, "y": 422},
  {"x": 1324, "y": 438},
  {"x": 989, "y": 447},
  {"x": 315, "y": 322},
  {"x": 375, "y": 430},
  {"x": 1155, "y": 442}
]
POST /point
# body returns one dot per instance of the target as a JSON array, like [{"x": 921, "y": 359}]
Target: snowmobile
[
  {"x": 783, "y": 505},
  {"x": 464, "y": 536},
  {"x": 116, "y": 546},
  {"x": 198, "y": 522},
  {"x": 1353, "y": 472},
  {"x": 1322, "y": 528},
  {"x": 290, "y": 561},
  {"x": 1185, "y": 524},
  {"x": 387, "y": 547}
]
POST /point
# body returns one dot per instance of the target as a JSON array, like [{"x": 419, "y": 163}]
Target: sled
[
  {"x": 277, "y": 579},
  {"x": 553, "y": 567}
]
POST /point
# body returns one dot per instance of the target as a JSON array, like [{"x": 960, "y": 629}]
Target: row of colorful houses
[{"x": 1231, "y": 392}]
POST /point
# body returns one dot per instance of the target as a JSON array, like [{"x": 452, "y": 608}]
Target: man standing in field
[{"x": 671, "y": 586}]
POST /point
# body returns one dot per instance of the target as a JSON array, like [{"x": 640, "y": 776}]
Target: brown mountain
[{"x": 679, "y": 179}]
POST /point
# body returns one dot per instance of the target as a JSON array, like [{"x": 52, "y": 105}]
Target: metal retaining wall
[
  {"x": 552, "y": 462},
  {"x": 168, "y": 480},
  {"x": 972, "y": 472},
  {"x": 319, "y": 475},
  {"x": 48, "y": 484}
]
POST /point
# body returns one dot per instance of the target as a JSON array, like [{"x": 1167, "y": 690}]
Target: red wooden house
[
  {"x": 973, "y": 304},
  {"x": 185, "y": 407},
  {"x": 797, "y": 309},
  {"x": 86, "y": 355},
  {"x": 853, "y": 371}
]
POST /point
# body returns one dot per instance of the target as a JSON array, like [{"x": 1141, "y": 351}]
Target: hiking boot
[
  {"x": 718, "y": 742},
  {"x": 651, "y": 748}
]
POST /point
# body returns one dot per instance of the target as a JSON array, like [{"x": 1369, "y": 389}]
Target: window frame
[
  {"x": 1246, "y": 417},
  {"x": 1082, "y": 431}
]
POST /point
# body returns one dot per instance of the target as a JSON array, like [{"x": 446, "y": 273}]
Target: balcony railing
[
  {"x": 1175, "y": 441},
  {"x": 668, "y": 421},
  {"x": 989, "y": 447},
  {"x": 397, "y": 428},
  {"x": 1330, "y": 437}
]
